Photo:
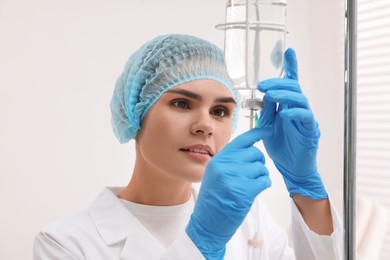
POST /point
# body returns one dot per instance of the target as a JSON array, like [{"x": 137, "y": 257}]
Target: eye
[
  {"x": 181, "y": 104},
  {"x": 220, "y": 112}
]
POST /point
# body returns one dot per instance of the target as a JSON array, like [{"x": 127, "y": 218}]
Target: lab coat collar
[
  {"x": 115, "y": 223},
  {"x": 112, "y": 220}
]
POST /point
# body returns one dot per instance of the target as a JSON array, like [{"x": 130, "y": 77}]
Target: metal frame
[{"x": 350, "y": 131}]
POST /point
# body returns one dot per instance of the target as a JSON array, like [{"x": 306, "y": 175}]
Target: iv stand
[{"x": 350, "y": 131}]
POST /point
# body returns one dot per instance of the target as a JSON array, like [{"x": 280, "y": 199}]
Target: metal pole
[{"x": 350, "y": 131}]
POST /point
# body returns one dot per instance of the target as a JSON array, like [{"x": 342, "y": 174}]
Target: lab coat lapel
[
  {"x": 140, "y": 244},
  {"x": 115, "y": 224}
]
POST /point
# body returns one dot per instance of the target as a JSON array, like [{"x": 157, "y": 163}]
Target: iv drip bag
[{"x": 255, "y": 35}]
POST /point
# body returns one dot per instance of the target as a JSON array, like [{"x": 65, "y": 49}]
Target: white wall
[{"x": 58, "y": 64}]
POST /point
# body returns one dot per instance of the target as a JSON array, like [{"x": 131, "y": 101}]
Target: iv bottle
[{"x": 255, "y": 35}]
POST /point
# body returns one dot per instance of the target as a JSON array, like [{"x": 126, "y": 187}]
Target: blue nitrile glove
[
  {"x": 232, "y": 180},
  {"x": 294, "y": 143}
]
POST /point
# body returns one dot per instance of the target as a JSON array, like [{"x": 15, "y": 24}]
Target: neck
[{"x": 149, "y": 186}]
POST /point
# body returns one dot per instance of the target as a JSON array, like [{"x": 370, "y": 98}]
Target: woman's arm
[{"x": 316, "y": 213}]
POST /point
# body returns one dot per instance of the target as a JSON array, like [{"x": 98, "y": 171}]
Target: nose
[{"x": 203, "y": 124}]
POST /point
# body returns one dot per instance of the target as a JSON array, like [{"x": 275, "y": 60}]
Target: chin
[
  {"x": 198, "y": 180},
  {"x": 188, "y": 170},
  {"x": 195, "y": 175}
]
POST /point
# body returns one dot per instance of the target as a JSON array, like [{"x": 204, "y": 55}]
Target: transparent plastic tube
[
  {"x": 254, "y": 40},
  {"x": 255, "y": 35}
]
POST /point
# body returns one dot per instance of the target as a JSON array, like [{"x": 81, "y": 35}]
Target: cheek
[
  {"x": 161, "y": 131},
  {"x": 169, "y": 126},
  {"x": 224, "y": 135}
]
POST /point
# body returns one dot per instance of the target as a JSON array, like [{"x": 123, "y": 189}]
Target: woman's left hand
[{"x": 294, "y": 143}]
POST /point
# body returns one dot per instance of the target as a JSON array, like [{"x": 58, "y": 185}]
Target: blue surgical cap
[{"x": 164, "y": 62}]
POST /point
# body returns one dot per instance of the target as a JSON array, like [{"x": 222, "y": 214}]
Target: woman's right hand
[{"x": 232, "y": 180}]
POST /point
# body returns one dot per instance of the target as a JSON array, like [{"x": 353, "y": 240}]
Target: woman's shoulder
[
  {"x": 78, "y": 221},
  {"x": 78, "y": 224},
  {"x": 84, "y": 233},
  {"x": 63, "y": 237}
]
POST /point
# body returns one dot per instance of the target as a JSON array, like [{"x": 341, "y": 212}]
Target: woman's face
[{"x": 186, "y": 127}]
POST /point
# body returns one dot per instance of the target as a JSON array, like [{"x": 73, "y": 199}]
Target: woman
[{"x": 175, "y": 99}]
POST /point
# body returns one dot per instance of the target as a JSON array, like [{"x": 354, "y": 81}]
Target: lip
[{"x": 198, "y": 151}]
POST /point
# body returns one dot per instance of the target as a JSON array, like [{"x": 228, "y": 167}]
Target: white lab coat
[{"x": 107, "y": 230}]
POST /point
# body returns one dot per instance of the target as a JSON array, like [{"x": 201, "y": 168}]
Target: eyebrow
[{"x": 198, "y": 97}]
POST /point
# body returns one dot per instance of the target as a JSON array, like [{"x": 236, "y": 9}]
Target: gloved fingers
[
  {"x": 257, "y": 186},
  {"x": 305, "y": 116},
  {"x": 290, "y": 64},
  {"x": 262, "y": 183},
  {"x": 309, "y": 129},
  {"x": 267, "y": 114},
  {"x": 249, "y": 138},
  {"x": 286, "y": 97},
  {"x": 279, "y": 83},
  {"x": 250, "y": 154},
  {"x": 251, "y": 171}
]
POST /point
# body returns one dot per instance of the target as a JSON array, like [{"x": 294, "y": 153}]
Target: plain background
[{"x": 58, "y": 64}]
